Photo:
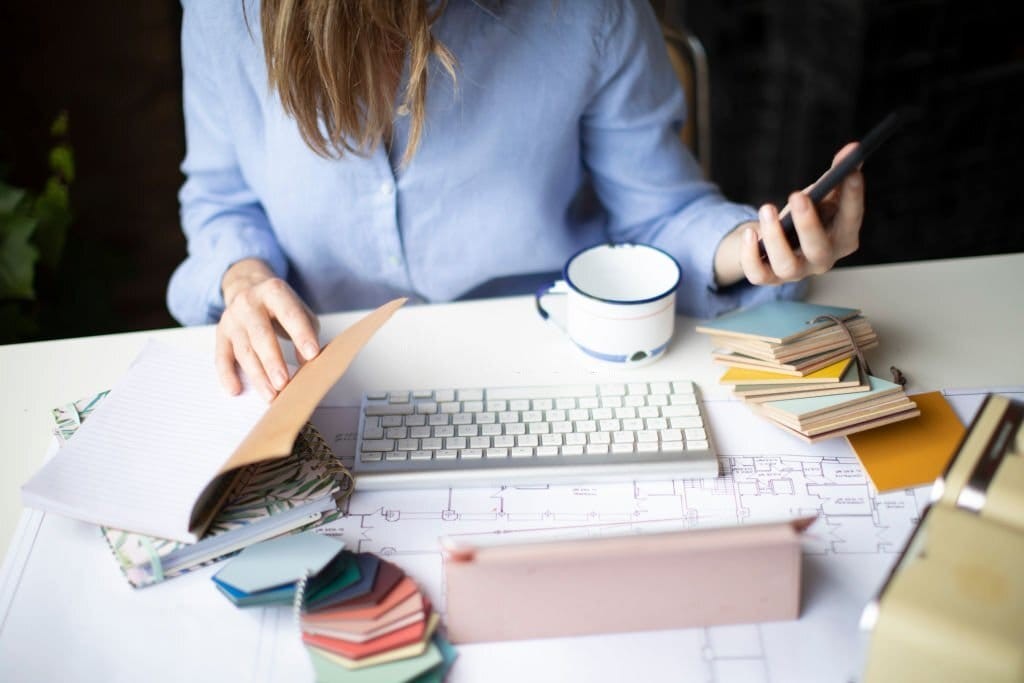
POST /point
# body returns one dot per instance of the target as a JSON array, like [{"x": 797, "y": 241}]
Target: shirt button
[{"x": 387, "y": 189}]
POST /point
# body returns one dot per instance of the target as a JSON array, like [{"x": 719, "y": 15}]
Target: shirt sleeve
[
  {"x": 221, "y": 216},
  {"x": 646, "y": 178}
]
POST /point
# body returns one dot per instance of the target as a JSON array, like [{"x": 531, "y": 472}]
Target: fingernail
[
  {"x": 748, "y": 236},
  {"x": 765, "y": 213},
  {"x": 280, "y": 379},
  {"x": 268, "y": 393},
  {"x": 310, "y": 350},
  {"x": 798, "y": 201}
]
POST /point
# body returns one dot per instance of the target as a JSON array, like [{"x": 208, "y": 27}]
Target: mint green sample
[
  {"x": 279, "y": 561},
  {"x": 776, "y": 321},
  {"x": 815, "y": 404}
]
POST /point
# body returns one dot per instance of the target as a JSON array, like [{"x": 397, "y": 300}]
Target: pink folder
[{"x": 680, "y": 579}]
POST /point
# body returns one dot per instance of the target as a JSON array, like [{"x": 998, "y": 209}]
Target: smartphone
[{"x": 828, "y": 182}]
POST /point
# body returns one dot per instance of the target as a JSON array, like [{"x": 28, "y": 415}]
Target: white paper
[{"x": 143, "y": 457}]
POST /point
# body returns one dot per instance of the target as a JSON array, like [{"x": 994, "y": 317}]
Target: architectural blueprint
[{"x": 767, "y": 475}]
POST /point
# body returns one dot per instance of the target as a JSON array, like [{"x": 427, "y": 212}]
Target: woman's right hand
[{"x": 259, "y": 306}]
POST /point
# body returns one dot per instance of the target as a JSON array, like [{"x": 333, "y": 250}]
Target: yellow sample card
[{"x": 912, "y": 452}]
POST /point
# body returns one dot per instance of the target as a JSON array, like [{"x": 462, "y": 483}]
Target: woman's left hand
[{"x": 826, "y": 235}]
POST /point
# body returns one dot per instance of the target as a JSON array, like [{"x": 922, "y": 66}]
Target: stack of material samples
[
  {"x": 800, "y": 365},
  {"x": 362, "y": 618}
]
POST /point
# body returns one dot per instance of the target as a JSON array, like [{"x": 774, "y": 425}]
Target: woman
[{"x": 343, "y": 152}]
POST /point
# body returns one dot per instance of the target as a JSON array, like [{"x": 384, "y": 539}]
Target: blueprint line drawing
[{"x": 766, "y": 476}]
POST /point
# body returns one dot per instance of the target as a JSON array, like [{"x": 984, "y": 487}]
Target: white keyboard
[{"x": 542, "y": 435}]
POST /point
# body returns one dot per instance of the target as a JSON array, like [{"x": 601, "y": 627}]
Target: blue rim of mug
[
  {"x": 620, "y": 358},
  {"x": 568, "y": 281}
]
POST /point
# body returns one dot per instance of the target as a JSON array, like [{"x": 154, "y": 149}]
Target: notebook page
[{"x": 143, "y": 457}]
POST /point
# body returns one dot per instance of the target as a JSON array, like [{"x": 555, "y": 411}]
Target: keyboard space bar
[{"x": 563, "y": 391}]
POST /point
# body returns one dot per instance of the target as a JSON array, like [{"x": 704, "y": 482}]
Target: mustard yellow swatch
[{"x": 912, "y": 452}]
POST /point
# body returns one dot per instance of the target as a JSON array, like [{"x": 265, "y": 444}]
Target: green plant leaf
[
  {"x": 10, "y": 197},
  {"x": 59, "y": 127},
  {"x": 54, "y": 216},
  {"x": 62, "y": 162},
  {"x": 18, "y": 257}
]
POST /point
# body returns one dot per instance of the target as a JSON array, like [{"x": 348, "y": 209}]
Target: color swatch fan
[{"x": 366, "y": 621}]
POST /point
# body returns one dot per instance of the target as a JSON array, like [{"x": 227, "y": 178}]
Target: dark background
[{"x": 792, "y": 80}]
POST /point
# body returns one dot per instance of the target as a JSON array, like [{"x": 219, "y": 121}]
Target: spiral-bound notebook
[
  {"x": 162, "y": 454},
  {"x": 272, "y": 498}
]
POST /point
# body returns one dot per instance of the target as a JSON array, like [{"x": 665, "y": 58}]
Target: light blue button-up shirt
[{"x": 560, "y": 132}]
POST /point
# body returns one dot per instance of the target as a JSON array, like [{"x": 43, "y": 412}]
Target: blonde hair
[{"x": 337, "y": 65}]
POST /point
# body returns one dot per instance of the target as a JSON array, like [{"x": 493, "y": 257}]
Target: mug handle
[{"x": 556, "y": 288}]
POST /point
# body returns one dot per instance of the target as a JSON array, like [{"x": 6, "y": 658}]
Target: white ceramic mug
[{"x": 620, "y": 301}]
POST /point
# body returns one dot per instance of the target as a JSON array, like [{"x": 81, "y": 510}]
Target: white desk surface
[{"x": 949, "y": 323}]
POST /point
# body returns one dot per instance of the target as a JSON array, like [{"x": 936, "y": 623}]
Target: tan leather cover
[
  {"x": 953, "y": 608},
  {"x": 641, "y": 582}
]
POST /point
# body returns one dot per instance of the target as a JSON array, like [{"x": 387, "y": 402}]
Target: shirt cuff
[{"x": 195, "y": 296}]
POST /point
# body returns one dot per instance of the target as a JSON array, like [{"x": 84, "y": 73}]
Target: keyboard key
[
  {"x": 528, "y": 440},
  {"x": 671, "y": 435},
  {"x": 551, "y": 440},
  {"x": 389, "y": 409}
]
